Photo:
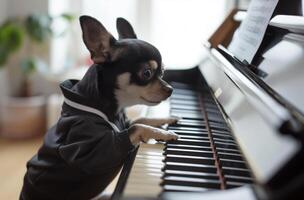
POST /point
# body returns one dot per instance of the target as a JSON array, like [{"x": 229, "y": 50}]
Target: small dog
[{"x": 85, "y": 150}]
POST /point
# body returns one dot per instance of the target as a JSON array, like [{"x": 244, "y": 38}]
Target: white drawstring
[{"x": 91, "y": 110}]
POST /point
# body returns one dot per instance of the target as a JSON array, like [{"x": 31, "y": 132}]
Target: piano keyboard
[{"x": 206, "y": 157}]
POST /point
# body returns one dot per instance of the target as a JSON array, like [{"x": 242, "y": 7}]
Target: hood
[{"x": 86, "y": 91}]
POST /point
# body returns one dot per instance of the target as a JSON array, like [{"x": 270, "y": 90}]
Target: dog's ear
[
  {"x": 97, "y": 39},
  {"x": 124, "y": 29}
]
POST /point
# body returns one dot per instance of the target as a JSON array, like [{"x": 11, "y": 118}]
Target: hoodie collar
[
  {"x": 87, "y": 92},
  {"x": 90, "y": 110}
]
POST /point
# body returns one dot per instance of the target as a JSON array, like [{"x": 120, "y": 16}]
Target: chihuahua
[{"x": 85, "y": 149}]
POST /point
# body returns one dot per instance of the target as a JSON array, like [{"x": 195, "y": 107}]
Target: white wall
[
  {"x": 25, "y": 7},
  {"x": 179, "y": 29},
  {"x": 3, "y": 8}
]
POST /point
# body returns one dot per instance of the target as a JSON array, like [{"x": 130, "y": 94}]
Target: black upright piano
[{"x": 242, "y": 125}]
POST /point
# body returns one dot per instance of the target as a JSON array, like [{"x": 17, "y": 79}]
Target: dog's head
[{"x": 135, "y": 65}]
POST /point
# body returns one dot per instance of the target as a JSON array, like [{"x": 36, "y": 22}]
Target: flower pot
[{"x": 23, "y": 117}]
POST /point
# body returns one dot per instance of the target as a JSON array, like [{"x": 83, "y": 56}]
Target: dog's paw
[
  {"x": 143, "y": 133},
  {"x": 173, "y": 120},
  {"x": 170, "y": 135}
]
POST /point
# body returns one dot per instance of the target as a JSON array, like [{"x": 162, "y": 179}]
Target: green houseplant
[{"x": 23, "y": 113}]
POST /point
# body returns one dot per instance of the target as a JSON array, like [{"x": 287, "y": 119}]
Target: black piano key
[
  {"x": 219, "y": 128},
  {"x": 188, "y": 132},
  {"x": 187, "y": 123},
  {"x": 189, "y": 167},
  {"x": 221, "y": 136},
  {"x": 215, "y": 124},
  {"x": 194, "y": 182},
  {"x": 236, "y": 171},
  {"x": 218, "y": 123},
  {"x": 241, "y": 179},
  {"x": 190, "y": 142},
  {"x": 179, "y": 85},
  {"x": 232, "y": 184},
  {"x": 190, "y": 174},
  {"x": 224, "y": 140},
  {"x": 188, "y": 129},
  {"x": 192, "y": 135},
  {"x": 195, "y": 147},
  {"x": 212, "y": 109},
  {"x": 192, "y": 120},
  {"x": 215, "y": 117},
  {"x": 225, "y": 145},
  {"x": 190, "y": 152},
  {"x": 183, "y": 136},
  {"x": 233, "y": 163},
  {"x": 198, "y": 117},
  {"x": 191, "y": 124},
  {"x": 210, "y": 105},
  {"x": 225, "y": 150},
  {"x": 232, "y": 156},
  {"x": 216, "y": 120},
  {"x": 178, "y": 188},
  {"x": 189, "y": 159},
  {"x": 220, "y": 132},
  {"x": 184, "y": 92},
  {"x": 188, "y": 116},
  {"x": 202, "y": 126},
  {"x": 213, "y": 112},
  {"x": 207, "y": 98}
]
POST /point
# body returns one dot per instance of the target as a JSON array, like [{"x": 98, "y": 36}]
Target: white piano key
[{"x": 145, "y": 176}]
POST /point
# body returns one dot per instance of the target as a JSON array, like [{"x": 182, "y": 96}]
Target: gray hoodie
[{"x": 82, "y": 152}]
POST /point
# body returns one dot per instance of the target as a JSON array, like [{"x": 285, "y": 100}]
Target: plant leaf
[
  {"x": 67, "y": 16},
  {"x": 11, "y": 37},
  {"x": 38, "y": 27},
  {"x": 28, "y": 65}
]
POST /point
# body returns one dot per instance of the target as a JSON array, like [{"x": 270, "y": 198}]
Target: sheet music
[{"x": 249, "y": 36}]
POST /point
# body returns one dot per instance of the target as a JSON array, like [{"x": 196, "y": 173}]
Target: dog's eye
[{"x": 147, "y": 74}]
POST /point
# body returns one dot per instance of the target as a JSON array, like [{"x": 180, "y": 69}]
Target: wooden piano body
[{"x": 242, "y": 127}]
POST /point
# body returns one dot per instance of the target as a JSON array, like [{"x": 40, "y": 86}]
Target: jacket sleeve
[{"x": 95, "y": 148}]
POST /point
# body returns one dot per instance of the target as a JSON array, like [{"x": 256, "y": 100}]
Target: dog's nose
[{"x": 168, "y": 89}]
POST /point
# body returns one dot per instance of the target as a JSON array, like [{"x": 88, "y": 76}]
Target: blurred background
[{"x": 41, "y": 45}]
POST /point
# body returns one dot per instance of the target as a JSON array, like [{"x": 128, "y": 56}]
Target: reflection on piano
[{"x": 241, "y": 130}]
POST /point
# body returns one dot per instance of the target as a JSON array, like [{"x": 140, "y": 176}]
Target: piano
[{"x": 241, "y": 128}]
